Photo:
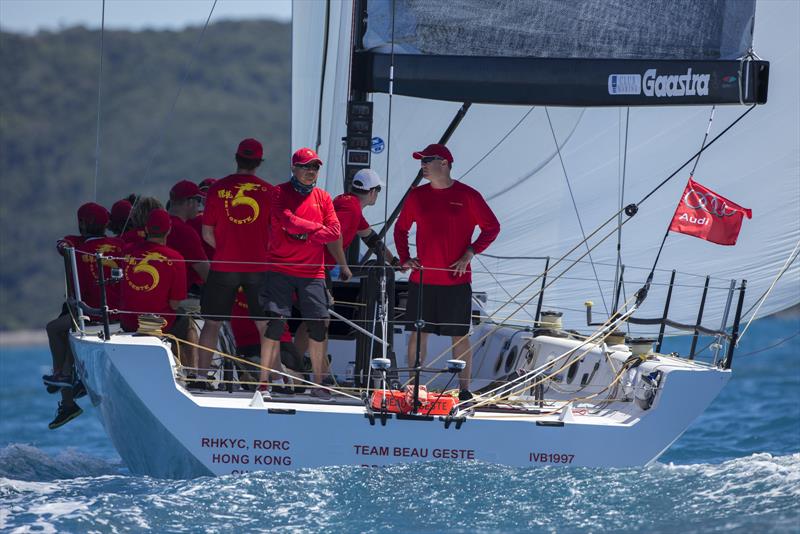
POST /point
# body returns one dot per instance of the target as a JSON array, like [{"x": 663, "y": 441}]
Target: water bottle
[
  {"x": 350, "y": 372},
  {"x": 335, "y": 272}
]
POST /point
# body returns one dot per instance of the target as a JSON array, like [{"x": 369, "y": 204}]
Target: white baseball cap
[{"x": 366, "y": 179}]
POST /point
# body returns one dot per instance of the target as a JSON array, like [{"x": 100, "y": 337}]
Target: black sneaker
[
  {"x": 53, "y": 389},
  {"x": 78, "y": 390},
  {"x": 199, "y": 384},
  {"x": 64, "y": 415},
  {"x": 60, "y": 380},
  {"x": 465, "y": 395},
  {"x": 283, "y": 390}
]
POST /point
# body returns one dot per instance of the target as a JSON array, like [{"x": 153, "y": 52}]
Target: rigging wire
[
  {"x": 162, "y": 127},
  {"x": 99, "y": 98},
  {"x": 500, "y": 142},
  {"x": 575, "y": 207},
  {"x": 389, "y": 125},
  {"x": 763, "y": 297},
  {"x": 621, "y": 203},
  {"x": 764, "y": 349}
]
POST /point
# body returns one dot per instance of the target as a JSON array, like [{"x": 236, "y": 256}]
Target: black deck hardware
[
  {"x": 414, "y": 417},
  {"x": 549, "y": 423},
  {"x": 282, "y": 411}
]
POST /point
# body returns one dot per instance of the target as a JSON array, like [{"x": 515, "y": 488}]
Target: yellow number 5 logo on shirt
[
  {"x": 240, "y": 199},
  {"x": 144, "y": 266}
]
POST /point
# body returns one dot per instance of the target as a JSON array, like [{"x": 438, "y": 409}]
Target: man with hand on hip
[{"x": 446, "y": 213}]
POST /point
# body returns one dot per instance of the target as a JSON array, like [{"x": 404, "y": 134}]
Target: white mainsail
[{"x": 509, "y": 154}]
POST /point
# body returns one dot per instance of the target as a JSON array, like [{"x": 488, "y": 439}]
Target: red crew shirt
[
  {"x": 351, "y": 219},
  {"x": 88, "y": 275},
  {"x": 197, "y": 225},
  {"x": 294, "y": 213},
  {"x": 446, "y": 220},
  {"x": 244, "y": 328},
  {"x": 237, "y": 206},
  {"x": 183, "y": 239},
  {"x": 154, "y": 275},
  {"x": 135, "y": 235}
]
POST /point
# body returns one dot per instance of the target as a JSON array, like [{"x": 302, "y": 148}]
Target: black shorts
[
  {"x": 278, "y": 289},
  {"x": 219, "y": 294},
  {"x": 446, "y": 310}
]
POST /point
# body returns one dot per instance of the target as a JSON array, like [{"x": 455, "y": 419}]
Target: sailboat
[{"x": 562, "y": 116}]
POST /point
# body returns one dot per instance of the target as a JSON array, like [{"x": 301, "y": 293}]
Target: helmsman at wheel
[{"x": 446, "y": 213}]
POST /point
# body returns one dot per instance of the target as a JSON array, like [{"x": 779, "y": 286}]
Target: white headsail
[{"x": 514, "y": 156}]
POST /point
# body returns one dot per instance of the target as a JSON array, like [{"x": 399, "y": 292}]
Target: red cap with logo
[
  {"x": 250, "y": 148},
  {"x": 304, "y": 156},
  {"x": 93, "y": 213},
  {"x": 120, "y": 211},
  {"x": 158, "y": 222},
  {"x": 184, "y": 189},
  {"x": 434, "y": 150}
]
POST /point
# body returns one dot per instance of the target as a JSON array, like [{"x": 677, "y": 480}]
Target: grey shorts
[{"x": 278, "y": 292}]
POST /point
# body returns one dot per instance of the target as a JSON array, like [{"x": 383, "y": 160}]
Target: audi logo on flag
[{"x": 707, "y": 202}]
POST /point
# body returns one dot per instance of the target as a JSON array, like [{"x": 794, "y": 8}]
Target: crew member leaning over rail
[
  {"x": 302, "y": 221},
  {"x": 92, "y": 223},
  {"x": 236, "y": 224},
  {"x": 446, "y": 213},
  {"x": 155, "y": 281}
]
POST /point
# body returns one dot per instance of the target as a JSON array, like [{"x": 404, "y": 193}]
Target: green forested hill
[{"x": 237, "y": 85}]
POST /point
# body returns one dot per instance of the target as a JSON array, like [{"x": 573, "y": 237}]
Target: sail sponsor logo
[
  {"x": 708, "y": 202},
  {"x": 625, "y": 84},
  {"x": 660, "y": 86}
]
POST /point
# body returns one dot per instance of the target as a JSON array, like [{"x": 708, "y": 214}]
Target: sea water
[{"x": 737, "y": 468}]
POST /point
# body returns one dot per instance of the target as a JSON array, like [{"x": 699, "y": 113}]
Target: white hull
[{"x": 160, "y": 429}]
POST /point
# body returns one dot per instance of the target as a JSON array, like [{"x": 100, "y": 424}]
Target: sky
[{"x": 30, "y": 16}]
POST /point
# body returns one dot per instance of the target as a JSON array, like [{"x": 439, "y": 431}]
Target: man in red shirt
[
  {"x": 154, "y": 279},
  {"x": 134, "y": 230},
  {"x": 197, "y": 222},
  {"x": 120, "y": 212},
  {"x": 446, "y": 213},
  {"x": 349, "y": 210},
  {"x": 184, "y": 199},
  {"x": 302, "y": 222},
  {"x": 92, "y": 222},
  {"x": 236, "y": 224}
]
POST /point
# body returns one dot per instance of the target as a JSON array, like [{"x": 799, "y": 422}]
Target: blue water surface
[{"x": 736, "y": 469}]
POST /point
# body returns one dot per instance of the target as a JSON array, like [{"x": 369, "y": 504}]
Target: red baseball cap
[
  {"x": 250, "y": 148},
  {"x": 305, "y": 155},
  {"x": 205, "y": 184},
  {"x": 434, "y": 150},
  {"x": 184, "y": 189},
  {"x": 120, "y": 211},
  {"x": 158, "y": 222},
  {"x": 93, "y": 213}
]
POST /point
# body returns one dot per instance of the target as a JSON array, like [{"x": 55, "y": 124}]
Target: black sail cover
[{"x": 557, "y": 52}]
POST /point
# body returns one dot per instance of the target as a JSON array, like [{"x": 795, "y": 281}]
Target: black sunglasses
[
  {"x": 428, "y": 159},
  {"x": 310, "y": 166}
]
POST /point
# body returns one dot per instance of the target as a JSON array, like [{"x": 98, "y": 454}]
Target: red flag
[{"x": 707, "y": 215}]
